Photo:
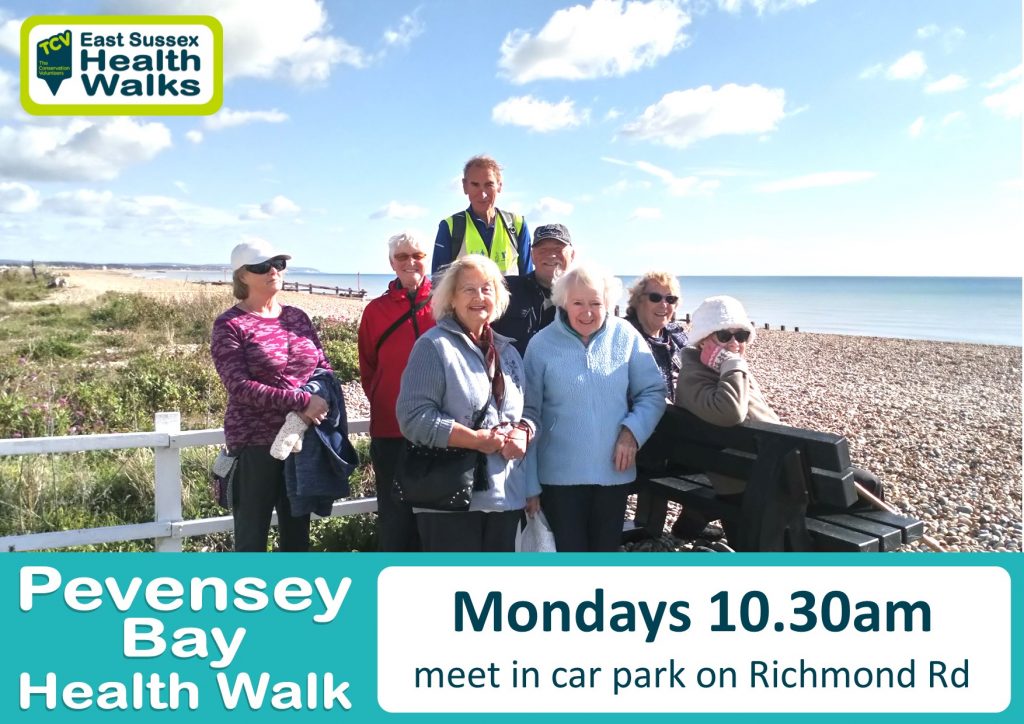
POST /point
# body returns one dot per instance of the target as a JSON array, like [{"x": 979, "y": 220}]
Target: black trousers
[
  {"x": 585, "y": 518},
  {"x": 396, "y": 523},
  {"x": 470, "y": 532},
  {"x": 258, "y": 489}
]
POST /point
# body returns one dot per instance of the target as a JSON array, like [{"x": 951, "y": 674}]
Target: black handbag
[{"x": 439, "y": 478}]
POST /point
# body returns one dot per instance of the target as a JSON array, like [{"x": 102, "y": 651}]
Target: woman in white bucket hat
[{"x": 716, "y": 384}]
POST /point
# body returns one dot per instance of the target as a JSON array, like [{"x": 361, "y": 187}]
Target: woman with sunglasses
[
  {"x": 264, "y": 352},
  {"x": 389, "y": 327},
  {"x": 651, "y": 309},
  {"x": 716, "y": 384}
]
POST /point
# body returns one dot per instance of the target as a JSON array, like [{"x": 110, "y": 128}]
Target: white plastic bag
[{"x": 536, "y": 535}]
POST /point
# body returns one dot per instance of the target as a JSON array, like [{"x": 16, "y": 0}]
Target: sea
[{"x": 980, "y": 310}]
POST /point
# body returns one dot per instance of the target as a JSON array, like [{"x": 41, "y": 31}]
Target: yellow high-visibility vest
[{"x": 504, "y": 250}]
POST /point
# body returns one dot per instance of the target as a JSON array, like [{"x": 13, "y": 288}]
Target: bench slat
[
  {"x": 910, "y": 528},
  {"x": 829, "y": 537},
  {"x": 889, "y": 537}
]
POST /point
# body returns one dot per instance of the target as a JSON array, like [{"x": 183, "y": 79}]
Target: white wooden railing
[{"x": 167, "y": 529}]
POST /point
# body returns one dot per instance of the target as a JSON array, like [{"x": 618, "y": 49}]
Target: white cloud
[
  {"x": 1008, "y": 103},
  {"x": 916, "y": 127},
  {"x": 610, "y": 38},
  {"x": 409, "y": 27},
  {"x": 762, "y": 6},
  {"x": 78, "y": 149},
  {"x": 954, "y": 117},
  {"x": 950, "y": 83},
  {"x": 10, "y": 105},
  {"x": 1006, "y": 78},
  {"x": 181, "y": 186},
  {"x": 646, "y": 213},
  {"x": 681, "y": 118},
  {"x": 548, "y": 210},
  {"x": 612, "y": 114},
  {"x": 194, "y": 136},
  {"x": 623, "y": 185},
  {"x": 395, "y": 210},
  {"x": 17, "y": 198},
  {"x": 817, "y": 180},
  {"x": 927, "y": 31},
  {"x": 151, "y": 215},
  {"x": 909, "y": 67},
  {"x": 676, "y": 186},
  {"x": 275, "y": 208},
  {"x": 10, "y": 35},
  {"x": 229, "y": 118},
  {"x": 264, "y": 38},
  {"x": 872, "y": 71},
  {"x": 951, "y": 37},
  {"x": 538, "y": 115}
]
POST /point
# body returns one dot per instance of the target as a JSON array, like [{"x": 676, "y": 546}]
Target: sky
[{"x": 700, "y": 137}]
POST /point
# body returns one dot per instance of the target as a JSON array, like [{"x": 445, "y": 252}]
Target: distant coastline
[
  {"x": 973, "y": 310},
  {"x": 152, "y": 267}
]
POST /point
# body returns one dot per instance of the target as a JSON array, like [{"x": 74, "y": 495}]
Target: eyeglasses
[
  {"x": 724, "y": 335},
  {"x": 403, "y": 257},
  {"x": 265, "y": 266},
  {"x": 669, "y": 298}
]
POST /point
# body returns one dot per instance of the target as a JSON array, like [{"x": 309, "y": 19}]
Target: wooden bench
[{"x": 800, "y": 489}]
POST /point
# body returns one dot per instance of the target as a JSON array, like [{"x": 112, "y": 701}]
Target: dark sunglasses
[
  {"x": 264, "y": 266},
  {"x": 724, "y": 335},
  {"x": 669, "y": 298},
  {"x": 403, "y": 257}
]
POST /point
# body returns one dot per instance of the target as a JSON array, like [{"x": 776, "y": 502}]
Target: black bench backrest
[{"x": 682, "y": 441}]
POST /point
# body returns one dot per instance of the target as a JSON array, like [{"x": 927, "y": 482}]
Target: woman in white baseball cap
[{"x": 264, "y": 352}]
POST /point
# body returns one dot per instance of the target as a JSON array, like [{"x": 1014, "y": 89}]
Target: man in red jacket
[{"x": 390, "y": 326}]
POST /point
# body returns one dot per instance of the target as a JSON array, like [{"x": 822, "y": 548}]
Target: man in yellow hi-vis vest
[{"x": 483, "y": 228}]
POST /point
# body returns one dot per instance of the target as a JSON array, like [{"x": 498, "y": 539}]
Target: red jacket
[{"x": 380, "y": 371}]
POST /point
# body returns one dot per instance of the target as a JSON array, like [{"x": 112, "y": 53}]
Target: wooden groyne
[
  {"x": 686, "y": 318},
  {"x": 343, "y": 292}
]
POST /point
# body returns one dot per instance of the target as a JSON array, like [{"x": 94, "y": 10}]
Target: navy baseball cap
[{"x": 558, "y": 232}]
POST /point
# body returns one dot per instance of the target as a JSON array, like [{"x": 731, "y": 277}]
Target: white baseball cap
[{"x": 254, "y": 252}]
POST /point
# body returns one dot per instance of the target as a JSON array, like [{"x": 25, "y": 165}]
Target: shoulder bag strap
[
  {"x": 458, "y": 234},
  {"x": 400, "y": 321}
]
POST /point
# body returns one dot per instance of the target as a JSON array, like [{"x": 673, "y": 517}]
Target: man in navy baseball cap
[{"x": 530, "y": 308}]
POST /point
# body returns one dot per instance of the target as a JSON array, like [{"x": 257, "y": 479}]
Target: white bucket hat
[
  {"x": 716, "y": 313},
  {"x": 254, "y": 251}
]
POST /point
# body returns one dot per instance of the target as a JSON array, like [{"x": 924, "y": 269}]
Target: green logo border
[{"x": 152, "y": 109}]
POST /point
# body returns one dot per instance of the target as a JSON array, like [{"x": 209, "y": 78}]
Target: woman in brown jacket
[{"x": 716, "y": 385}]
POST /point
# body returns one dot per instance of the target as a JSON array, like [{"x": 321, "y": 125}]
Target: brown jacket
[{"x": 723, "y": 398}]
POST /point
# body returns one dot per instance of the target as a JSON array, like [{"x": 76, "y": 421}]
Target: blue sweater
[
  {"x": 444, "y": 382},
  {"x": 579, "y": 397}
]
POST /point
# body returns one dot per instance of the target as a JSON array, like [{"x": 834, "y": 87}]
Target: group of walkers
[{"x": 507, "y": 349}]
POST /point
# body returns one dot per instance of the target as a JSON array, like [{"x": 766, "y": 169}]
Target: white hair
[
  {"x": 442, "y": 301},
  {"x": 404, "y": 238},
  {"x": 590, "y": 276}
]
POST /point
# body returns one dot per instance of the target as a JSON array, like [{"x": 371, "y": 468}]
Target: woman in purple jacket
[{"x": 264, "y": 352}]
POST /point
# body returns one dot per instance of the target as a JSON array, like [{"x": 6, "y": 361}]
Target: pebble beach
[{"x": 938, "y": 422}]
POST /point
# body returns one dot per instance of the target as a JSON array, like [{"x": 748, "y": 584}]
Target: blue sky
[{"x": 864, "y": 137}]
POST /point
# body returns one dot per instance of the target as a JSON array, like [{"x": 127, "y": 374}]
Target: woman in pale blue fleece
[
  {"x": 594, "y": 394},
  {"x": 456, "y": 369}
]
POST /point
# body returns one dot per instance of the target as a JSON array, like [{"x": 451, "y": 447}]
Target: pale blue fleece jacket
[
  {"x": 579, "y": 396},
  {"x": 445, "y": 381}
]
